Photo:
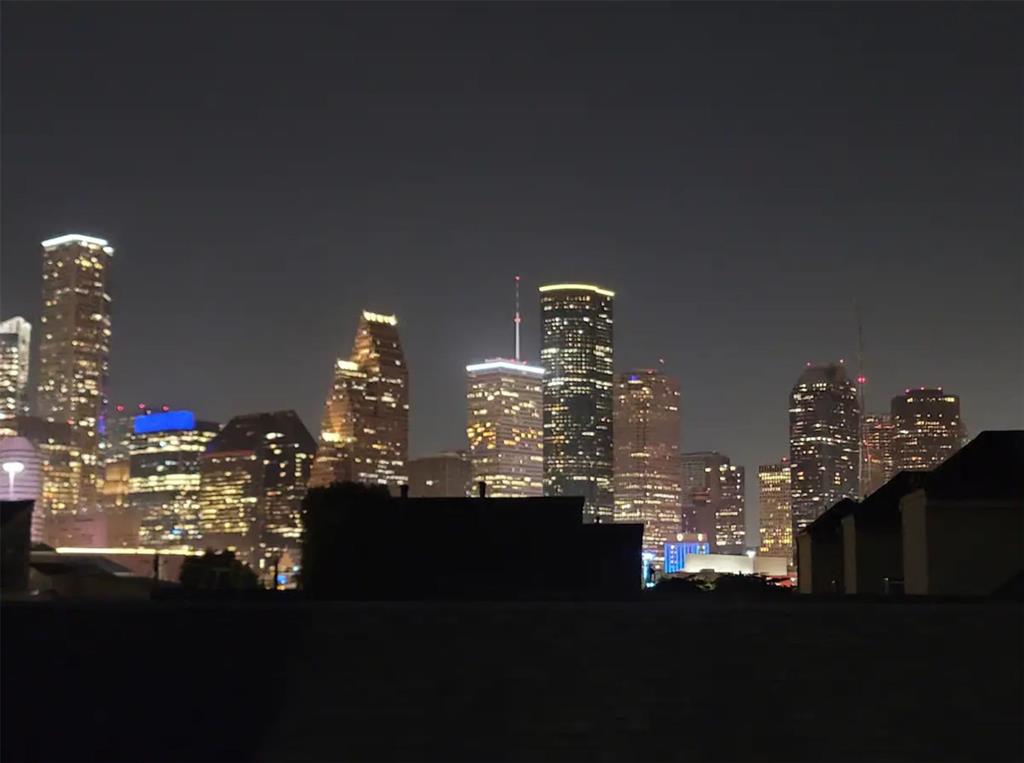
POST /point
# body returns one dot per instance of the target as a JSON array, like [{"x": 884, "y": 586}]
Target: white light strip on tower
[
  {"x": 72, "y": 238},
  {"x": 508, "y": 365},
  {"x": 380, "y": 318},
  {"x": 171, "y": 551},
  {"x": 577, "y": 287}
]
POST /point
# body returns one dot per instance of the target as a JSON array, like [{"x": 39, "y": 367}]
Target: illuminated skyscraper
[
  {"x": 730, "y": 516},
  {"x": 824, "y": 442},
  {"x": 876, "y": 452},
  {"x": 927, "y": 428},
  {"x": 163, "y": 477},
  {"x": 117, "y": 425},
  {"x": 74, "y": 349},
  {"x": 445, "y": 475},
  {"x": 576, "y": 354},
  {"x": 15, "y": 341},
  {"x": 253, "y": 479},
  {"x": 365, "y": 432},
  {"x": 505, "y": 426},
  {"x": 776, "y": 514},
  {"x": 61, "y": 462},
  {"x": 647, "y": 461},
  {"x": 714, "y": 500}
]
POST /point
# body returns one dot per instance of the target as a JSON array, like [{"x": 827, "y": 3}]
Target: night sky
[{"x": 738, "y": 174}]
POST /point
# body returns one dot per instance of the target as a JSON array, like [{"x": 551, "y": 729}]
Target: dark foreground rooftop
[{"x": 631, "y": 681}]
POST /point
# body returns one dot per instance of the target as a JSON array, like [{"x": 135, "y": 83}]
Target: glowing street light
[{"x": 13, "y": 468}]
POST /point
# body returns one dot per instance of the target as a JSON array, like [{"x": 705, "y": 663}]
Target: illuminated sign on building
[
  {"x": 675, "y": 554},
  {"x": 165, "y": 422}
]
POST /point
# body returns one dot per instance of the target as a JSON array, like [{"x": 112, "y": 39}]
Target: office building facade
[
  {"x": 163, "y": 478},
  {"x": 62, "y": 463},
  {"x": 365, "y": 431},
  {"x": 505, "y": 427},
  {"x": 576, "y": 354},
  {"x": 876, "y": 465},
  {"x": 15, "y": 344},
  {"x": 74, "y": 346},
  {"x": 775, "y": 510},
  {"x": 253, "y": 478},
  {"x": 444, "y": 475},
  {"x": 926, "y": 428},
  {"x": 714, "y": 502},
  {"x": 824, "y": 441},
  {"x": 647, "y": 460}
]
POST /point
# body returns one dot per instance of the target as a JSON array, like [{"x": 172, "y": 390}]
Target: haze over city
[{"x": 264, "y": 179}]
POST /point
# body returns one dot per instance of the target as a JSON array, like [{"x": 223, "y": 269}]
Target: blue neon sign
[{"x": 165, "y": 422}]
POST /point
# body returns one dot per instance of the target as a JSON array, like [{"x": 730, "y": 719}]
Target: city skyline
[
  {"x": 696, "y": 197},
  {"x": 377, "y": 346}
]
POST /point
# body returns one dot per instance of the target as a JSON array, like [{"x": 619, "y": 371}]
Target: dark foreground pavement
[{"x": 686, "y": 680}]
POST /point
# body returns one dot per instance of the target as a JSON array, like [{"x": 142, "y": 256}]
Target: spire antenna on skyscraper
[{"x": 518, "y": 319}]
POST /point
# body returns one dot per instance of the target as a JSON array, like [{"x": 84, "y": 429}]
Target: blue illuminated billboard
[
  {"x": 165, "y": 422},
  {"x": 675, "y": 553}
]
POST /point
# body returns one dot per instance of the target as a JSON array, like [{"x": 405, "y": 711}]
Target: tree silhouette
[{"x": 216, "y": 571}]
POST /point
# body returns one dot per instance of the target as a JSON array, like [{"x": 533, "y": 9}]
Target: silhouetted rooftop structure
[
  {"x": 362, "y": 544},
  {"x": 956, "y": 530}
]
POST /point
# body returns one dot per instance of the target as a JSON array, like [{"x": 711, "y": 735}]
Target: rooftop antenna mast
[
  {"x": 862, "y": 381},
  {"x": 518, "y": 319}
]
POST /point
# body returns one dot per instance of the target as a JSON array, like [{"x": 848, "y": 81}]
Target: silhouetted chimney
[
  {"x": 481, "y": 489},
  {"x": 405, "y": 491}
]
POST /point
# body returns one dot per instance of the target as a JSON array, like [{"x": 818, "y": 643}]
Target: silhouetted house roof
[
  {"x": 957, "y": 529},
  {"x": 833, "y": 517},
  {"x": 883, "y": 505},
  {"x": 52, "y": 563},
  {"x": 989, "y": 468}
]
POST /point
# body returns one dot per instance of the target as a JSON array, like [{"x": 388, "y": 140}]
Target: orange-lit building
[
  {"x": 647, "y": 460},
  {"x": 775, "y": 510},
  {"x": 365, "y": 432}
]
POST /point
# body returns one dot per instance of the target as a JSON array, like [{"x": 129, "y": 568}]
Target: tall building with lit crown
[
  {"x": 876, "y": 452},
  {"x": 505, "y": 427},
  {"x": 365, "y": 432},
  {"x": 824, "y": 441},
  {"x": 253, "y": 478},
  {"x": 74, "y": 346},
  {"x": 163, "y": 477},
  {"x": 576, "y": 354},
  {"x": 714, "y": 501},
  {"x": 926, "y": 428},
  {"x": 776, "y": 513},
  {"x": 647, "y": 460},
  {"x": 15, "y": 342}
]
